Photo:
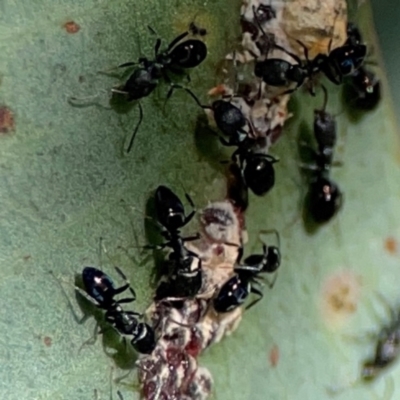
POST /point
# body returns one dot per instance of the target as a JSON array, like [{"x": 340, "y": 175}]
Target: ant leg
[
  {"x": 240, "y": 255},
  {"x": 258, "y": 293},
  {"x": 195, "y": 30},
  {"x": 79, "y": 320},
  {"x": 225, "y": 142},
  {"x": 271, "y": 284},
  {"x": 305, "y": 49},
  {"x": 325, "y": 90},
  {"x": 294, "y": 56},
  {"x": 126, "y": 286},
  {"x": 117, "y": 91},
  {"x": 92, "y": 340},
  {"x": 309, "y": 167},
  {"x": 161, "y": 246},
  {"x": 136, "y": 129},
  {"x": 176, "y": 40},
  {"x": 120, "y": 395},
  {"x": 172, "y": 87},
  {"x": 274, "y": 232},
  {"x": 127, "y": 64},
  {"x": 195, "y": 98},
  {"x": 192, "y": 238},
  {"x": 158, "y": 41}
]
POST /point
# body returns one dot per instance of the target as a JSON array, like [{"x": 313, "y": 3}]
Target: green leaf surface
[{"x": 63, "y": 174}]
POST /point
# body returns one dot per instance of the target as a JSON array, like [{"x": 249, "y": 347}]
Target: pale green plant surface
[{"x": 63, "y": 175}]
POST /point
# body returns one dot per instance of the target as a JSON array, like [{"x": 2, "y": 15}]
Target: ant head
[
  {"x": 259, "y": 173},
  {"x": 353, "y": 34},
  {"x": 188, "y": 54},
  {"x": 325, "y": 199},
  {"x": 273, "y": 260},
  {"x": 98, "y": 285},
  {"x": 170, "y": 210},
  {"x": 348, "y": 58}
]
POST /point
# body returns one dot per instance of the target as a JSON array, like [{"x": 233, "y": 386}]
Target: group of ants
[{"x": 256, "y": 171}]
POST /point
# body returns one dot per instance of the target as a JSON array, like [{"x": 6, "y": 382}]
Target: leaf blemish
[
  {"x": 71, "y": 27},
  {"x": 274, "y": 356},
  {"x": 7, "y": 123},
  {"x": 47, "y": 341},
  {"x": 340, "y": 295},
  {"x": 391, "y": 245}
]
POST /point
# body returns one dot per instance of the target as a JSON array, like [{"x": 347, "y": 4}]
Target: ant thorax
[{"x": 265, "y": 117}]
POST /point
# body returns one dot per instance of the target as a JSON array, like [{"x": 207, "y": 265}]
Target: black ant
[
  {"x": 257, "y": 168},
  {"x": 235, "y": 291},
  {"x": 229, "y": 119},
  {"x": 324, "y": 197},
  {"x": 338, "y": 63},
  {"x": 366, "y": 87},
  {"x": 186, "y": 277},
  {"x": 177, "y": 57},
  {"x": 100, "y": 290}
]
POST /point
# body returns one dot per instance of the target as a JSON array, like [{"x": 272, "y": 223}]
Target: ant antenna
[
  {"x": 136, "y": 128},
  {"x": 258, "y": 21},
  {"x": 273, "y": 232},
  {"x": 325, "y": 97},
  {"x": 194, "y": 97}
]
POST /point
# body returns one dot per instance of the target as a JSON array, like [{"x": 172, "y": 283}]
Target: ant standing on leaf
[
  {"x": 338, "y": 63},
  {"x": 256, "y": 167},
  {"x": 100, "y": 290},
  {"x": 324, "y": 196},
  {"x": 185, "y": 277},
  {"x": 180, "y": 55},
  {"x": 364, "y": 84},
  {"x": 235, "y": 291}
]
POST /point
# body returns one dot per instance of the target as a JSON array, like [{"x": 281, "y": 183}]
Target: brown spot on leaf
[
  {"x": 7, "y": 123},
  {"x": 274, "y": 356},
  {"x": 47, "y": 341},
  {"x": 72, "y": 27},
  {"x": 27, "y": 257},
  {"x": 340, "y": 294},
  {"x": 391, "y": 245}
]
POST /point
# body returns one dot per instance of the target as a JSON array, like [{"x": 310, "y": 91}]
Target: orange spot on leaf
[
  {"x": 72, "y": 27},
  {"x": 340, "y": 295},
  {"x": 47, "y": 341},
  {"x": 274, "y": 356},
  {"x": 391, "y": 245},
  {"x": 7, "y": 123}
]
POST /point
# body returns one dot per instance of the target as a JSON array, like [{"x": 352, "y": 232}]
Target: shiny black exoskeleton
[
  {"x": 100, "y": 289},
  {"x": 176, "y": 58},
  {"x": 281, "y": 73},
  {"x": 338, "y": 63},
  {"x": 364, "y": 87},
  {"x": 185, "y": 277},
  {"x": 257, "y": 167},
  {"x": 228, "y": 118},
  {"x": 324, "y": 196},
  {"x": 235, "y": 291}
]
